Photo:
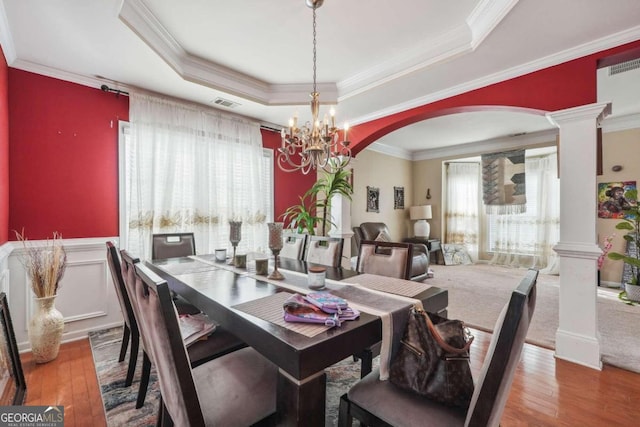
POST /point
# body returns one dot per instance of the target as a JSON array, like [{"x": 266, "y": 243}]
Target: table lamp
[{"x": 420, "y": 214}]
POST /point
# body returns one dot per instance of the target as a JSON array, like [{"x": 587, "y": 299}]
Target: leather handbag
[{"x": 433, "y": 359}]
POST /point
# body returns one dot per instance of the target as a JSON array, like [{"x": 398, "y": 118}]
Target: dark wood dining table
[{"x": 301, "y": 394}]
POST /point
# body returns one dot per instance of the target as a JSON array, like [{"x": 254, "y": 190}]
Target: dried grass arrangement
[{"x": 45, "y": 264}]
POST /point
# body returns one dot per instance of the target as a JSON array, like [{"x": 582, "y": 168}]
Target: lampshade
[{"x": 420, "y": 212}]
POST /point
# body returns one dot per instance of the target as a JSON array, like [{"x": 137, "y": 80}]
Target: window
[{"x": 193, "y": 189}]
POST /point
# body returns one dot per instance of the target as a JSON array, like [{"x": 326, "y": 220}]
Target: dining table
[{"x": 250, "y": 306}]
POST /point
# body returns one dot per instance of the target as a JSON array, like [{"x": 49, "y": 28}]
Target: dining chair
[
  {"x": 391, "y": 259},
  {"x": 380, "y": 403},
  {"x": 324, "y": 250},
  {"x": 219, "y": 343},
  {"x": 237, "y": 389},
  {"x": 293, "y": 245},
  {"x": 130, "y": 328},
  {"x": 172, "y": 245}
]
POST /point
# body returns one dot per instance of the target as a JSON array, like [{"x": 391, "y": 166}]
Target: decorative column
[
  {"x": 341, "y": 216},
  {"x": 577, "y": 337}
]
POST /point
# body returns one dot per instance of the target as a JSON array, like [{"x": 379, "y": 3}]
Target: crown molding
[
  {"x": 137, "y": 16},
  {"x": 601, "y": 44},
  {"x": 445, "y": 47},
  {"x": 389, "y": 150},
  {"x": 620, "y": 123},
  {"x": 485, "y": 18},
  {"x": 487, "y": 146},
  {"x": 6, "y": 40}
]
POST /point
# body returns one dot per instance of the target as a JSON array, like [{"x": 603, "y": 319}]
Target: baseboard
[{"x": 579, "y": 349}]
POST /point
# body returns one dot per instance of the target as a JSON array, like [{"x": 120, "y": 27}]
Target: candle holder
[
  {"x": 234, "y": 237},
  {"x": 275, "y": 244}
]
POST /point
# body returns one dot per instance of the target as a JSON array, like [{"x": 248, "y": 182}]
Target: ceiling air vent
[
  {"x": 624, "y": 66},
  {"x": 225, "y": 103}
]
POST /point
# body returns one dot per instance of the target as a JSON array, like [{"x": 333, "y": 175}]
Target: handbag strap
[{"x": 442, "y": 343}]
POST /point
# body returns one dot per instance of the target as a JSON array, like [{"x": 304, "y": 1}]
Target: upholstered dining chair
[
  {"x": 293, "y": 245},
  {"x": 238, "y": 389},
  {"x": 130, "y": 327},
  {"x": 324, "y": 250},
  {"x": 217, "y": 344},
  {"x": 380, "y": 403},
  {"x": 172, "y": 245},
  {"x": 389, "y": 259}
]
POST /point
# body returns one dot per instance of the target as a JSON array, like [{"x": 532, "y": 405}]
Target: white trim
[
  {"x": 620, "y": 123},
  {"x": 390, "y": 150},
  {"x": 578, "y": 250},
  {"x": 6, "y": 40},
  {"x": 485, "y": 18},
  {"x": 579, "y": 349}
]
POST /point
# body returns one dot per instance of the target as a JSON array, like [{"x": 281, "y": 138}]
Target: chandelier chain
[{"x": 314, "y": 49}]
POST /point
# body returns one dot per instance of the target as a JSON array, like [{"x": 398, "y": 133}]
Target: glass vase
[
  {"x": 45, "y": 330},
  {"x": 275, "y": 244}
]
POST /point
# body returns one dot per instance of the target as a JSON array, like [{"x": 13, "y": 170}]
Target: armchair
[{"x": 419, "y": 264}]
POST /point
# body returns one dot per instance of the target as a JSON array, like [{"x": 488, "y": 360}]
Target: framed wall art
[
  {"x": 398, "y": 197},
  {"x": 373, "y": 199},
  {"x": 615, "y": 197},
  {"x": 12, "y": 384}
]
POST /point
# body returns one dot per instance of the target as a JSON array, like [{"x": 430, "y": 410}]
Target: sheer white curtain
[
  {"x": 462, "y": 206},
  {"x": 188, "y": 168},
  {"x": 527, "y": 239}
]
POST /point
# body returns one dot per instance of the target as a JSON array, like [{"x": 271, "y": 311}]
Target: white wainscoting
[{"x": 86, "y": 297}]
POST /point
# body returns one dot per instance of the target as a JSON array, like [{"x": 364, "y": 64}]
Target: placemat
[
  {"x": 270, "y": 309},
  {"x": 184, "y": 266},
  {"x": 392, "y": 285}
]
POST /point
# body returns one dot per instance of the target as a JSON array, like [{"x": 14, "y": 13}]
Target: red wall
[
  {"x": 288, "y": 185},
  {"x": 64, "y": 157},
  {"x": 4, "y": 149}
]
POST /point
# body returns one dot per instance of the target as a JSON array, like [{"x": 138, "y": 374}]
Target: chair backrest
[
  {"x": 324, "y": 250},
  {"x": 113, "y": 260},
  {"x": 503, "y": 356},
  {"x": 172, "y": 245},
  {"x": 293, "y": 245},
  {"x": 368, "y": 231},
  {"x": 389, "y": 259},
  {"x": 159, "y": 322}
]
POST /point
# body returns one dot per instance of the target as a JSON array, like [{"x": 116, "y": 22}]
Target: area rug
[
  {"x": 478, "y": 292},
  {"x": 119, "y": 401}
]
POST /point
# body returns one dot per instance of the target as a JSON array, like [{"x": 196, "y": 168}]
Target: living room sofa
[{"x": 380, "y": 231}]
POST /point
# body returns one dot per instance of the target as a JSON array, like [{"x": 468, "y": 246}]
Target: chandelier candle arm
[{"x": 316, "y": 144}]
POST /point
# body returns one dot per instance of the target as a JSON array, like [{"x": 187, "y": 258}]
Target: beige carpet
[{"x": 478, "y": 292}]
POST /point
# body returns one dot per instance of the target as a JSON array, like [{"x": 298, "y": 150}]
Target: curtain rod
[{"x": 106, "y": 88}]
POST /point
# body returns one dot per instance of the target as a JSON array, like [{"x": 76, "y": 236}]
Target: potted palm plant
[
  {"x": 304, "y": 216},
  {"x": 631, "y": 224}
]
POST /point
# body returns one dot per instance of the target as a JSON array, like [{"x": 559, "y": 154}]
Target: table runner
[
  {"x": 406, "y": 288},
  {"x": 363, "y": 292}
]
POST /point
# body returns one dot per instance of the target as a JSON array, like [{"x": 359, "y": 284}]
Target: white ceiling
[{"x": 375, "y": 57}]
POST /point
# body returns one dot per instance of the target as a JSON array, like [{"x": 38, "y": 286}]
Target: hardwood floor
[{"x": 545, "y": 392}]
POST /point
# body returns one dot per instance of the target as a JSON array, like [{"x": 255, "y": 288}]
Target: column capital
[{"x": 596, "y": 111}]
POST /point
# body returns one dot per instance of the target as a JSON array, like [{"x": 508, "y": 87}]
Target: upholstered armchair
[{"x": 379, "y": 231}]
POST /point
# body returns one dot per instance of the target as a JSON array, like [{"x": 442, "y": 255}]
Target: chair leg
[
  {"x": 133, "y": 359},
  {"x": 144, "y": 380},
  {"x": 344, "y": 415},
  {"x": 126, "y": 333}
]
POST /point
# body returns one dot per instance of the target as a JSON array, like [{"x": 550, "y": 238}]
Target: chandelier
[{"x": 317, "y": 143}]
